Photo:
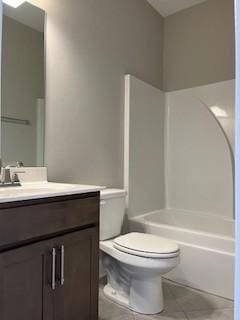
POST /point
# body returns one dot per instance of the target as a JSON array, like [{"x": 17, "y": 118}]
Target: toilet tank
[{"x": 112, "y": 210}]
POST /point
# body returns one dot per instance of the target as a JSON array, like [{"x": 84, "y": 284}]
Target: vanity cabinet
[{"x": 53, "y": 275}]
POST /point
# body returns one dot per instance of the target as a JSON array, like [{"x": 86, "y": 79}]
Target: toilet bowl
[{"x": 134, "y": 262}]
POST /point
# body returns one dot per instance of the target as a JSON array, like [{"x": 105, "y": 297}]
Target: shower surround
[{"x": 179, "y": 176}]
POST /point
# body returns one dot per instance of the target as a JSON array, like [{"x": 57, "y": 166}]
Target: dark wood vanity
[{"x": 49, "y": 258}]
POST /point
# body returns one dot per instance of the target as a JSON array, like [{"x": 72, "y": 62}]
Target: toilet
[{"x": 134, "y": 262}]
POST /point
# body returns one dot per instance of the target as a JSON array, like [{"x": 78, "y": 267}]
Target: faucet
[
  {"x": 5, "y": 176},
  {"x": 6, "y": 179}
]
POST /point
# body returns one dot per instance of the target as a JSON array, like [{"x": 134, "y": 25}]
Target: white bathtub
[{"x": 206, "y": 243}]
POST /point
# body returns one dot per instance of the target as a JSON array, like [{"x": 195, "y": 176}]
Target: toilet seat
[
  {"x": 146, "y": 245},
  {"x": 136, "y": 261}
]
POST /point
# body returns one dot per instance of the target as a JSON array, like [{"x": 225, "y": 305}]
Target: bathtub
[{"x": 206, "y": 243}]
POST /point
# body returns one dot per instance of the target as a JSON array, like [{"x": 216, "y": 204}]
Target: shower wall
[
  {"x": 179, "y": 148},
  {"x": 144, "y": 171},
  {"x": 199, "y": 149}
]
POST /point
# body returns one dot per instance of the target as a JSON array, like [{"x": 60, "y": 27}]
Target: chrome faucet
[
  {"x": 8, "y": 180},
  {"x": 6, "y": 176}
]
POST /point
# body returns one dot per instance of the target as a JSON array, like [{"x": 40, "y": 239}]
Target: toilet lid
[{"x": 146, "y": 245}]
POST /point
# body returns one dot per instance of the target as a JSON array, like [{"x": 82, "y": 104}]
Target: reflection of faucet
[{"x": 19, "y": 164}]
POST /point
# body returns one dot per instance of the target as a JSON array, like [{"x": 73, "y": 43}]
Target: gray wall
[
  {"x": 90, "y": 46},
  {"x": 22, "y": 85},
  {"x": 199, "y": 45}
]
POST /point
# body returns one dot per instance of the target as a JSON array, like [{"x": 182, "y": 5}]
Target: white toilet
[{"x": 134, "y": 262}]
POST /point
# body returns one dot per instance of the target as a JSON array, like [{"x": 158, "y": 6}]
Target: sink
[{"x": 43, "y": 189}]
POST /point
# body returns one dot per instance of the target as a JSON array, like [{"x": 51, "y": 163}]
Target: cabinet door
[
  {"x": 77, "y": 298},
  {"x": 27, "y": 275},
  {"x": 22, "y": 285}
]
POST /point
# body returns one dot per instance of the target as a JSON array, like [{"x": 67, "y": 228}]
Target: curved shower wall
[{"x": 199, "y": 144}]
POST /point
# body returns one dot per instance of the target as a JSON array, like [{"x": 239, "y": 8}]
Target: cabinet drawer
[{"x": 21, "y": 223}]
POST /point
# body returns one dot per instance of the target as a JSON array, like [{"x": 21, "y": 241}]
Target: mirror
[{"x": 23, "y": 87}]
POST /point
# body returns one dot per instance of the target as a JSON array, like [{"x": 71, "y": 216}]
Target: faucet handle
[{"x": 15, "y": 177}]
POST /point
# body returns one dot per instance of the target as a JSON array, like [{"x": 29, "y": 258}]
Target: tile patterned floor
[{"x": 181, "y": 303}]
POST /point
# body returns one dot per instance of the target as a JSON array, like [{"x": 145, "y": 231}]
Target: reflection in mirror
[{"x": 22, "y": 105}]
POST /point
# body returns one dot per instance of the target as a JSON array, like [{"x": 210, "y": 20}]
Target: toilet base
[
  {"x": 145, "y": 296},
  {"x": 139, "y": 292}
]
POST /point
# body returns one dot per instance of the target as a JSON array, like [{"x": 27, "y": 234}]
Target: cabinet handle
[
  {"x": 62, "y": 265},
  {"x": 53, "y": 269}
]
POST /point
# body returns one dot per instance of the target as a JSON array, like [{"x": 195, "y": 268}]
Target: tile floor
[{"x": 181, "y": 303}]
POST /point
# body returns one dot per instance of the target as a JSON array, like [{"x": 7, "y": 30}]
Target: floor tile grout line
[
  {"x": 177, "y": 284},
  {"x": 208, "y": 309},
  {"x": 191, "y": 315},
  {"x": 171, "y": 290}
]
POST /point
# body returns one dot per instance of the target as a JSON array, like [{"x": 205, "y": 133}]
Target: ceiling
[
  {"x": 168, "y": 7},
  {"x": 26, "y": 14}
]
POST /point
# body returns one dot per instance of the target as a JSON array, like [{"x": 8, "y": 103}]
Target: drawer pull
[
  {"x": 62, "y": 265},
  {"x": 53, "y": 269}
]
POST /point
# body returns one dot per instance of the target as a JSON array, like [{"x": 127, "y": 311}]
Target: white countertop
[{"x": 43, "y": 189}]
